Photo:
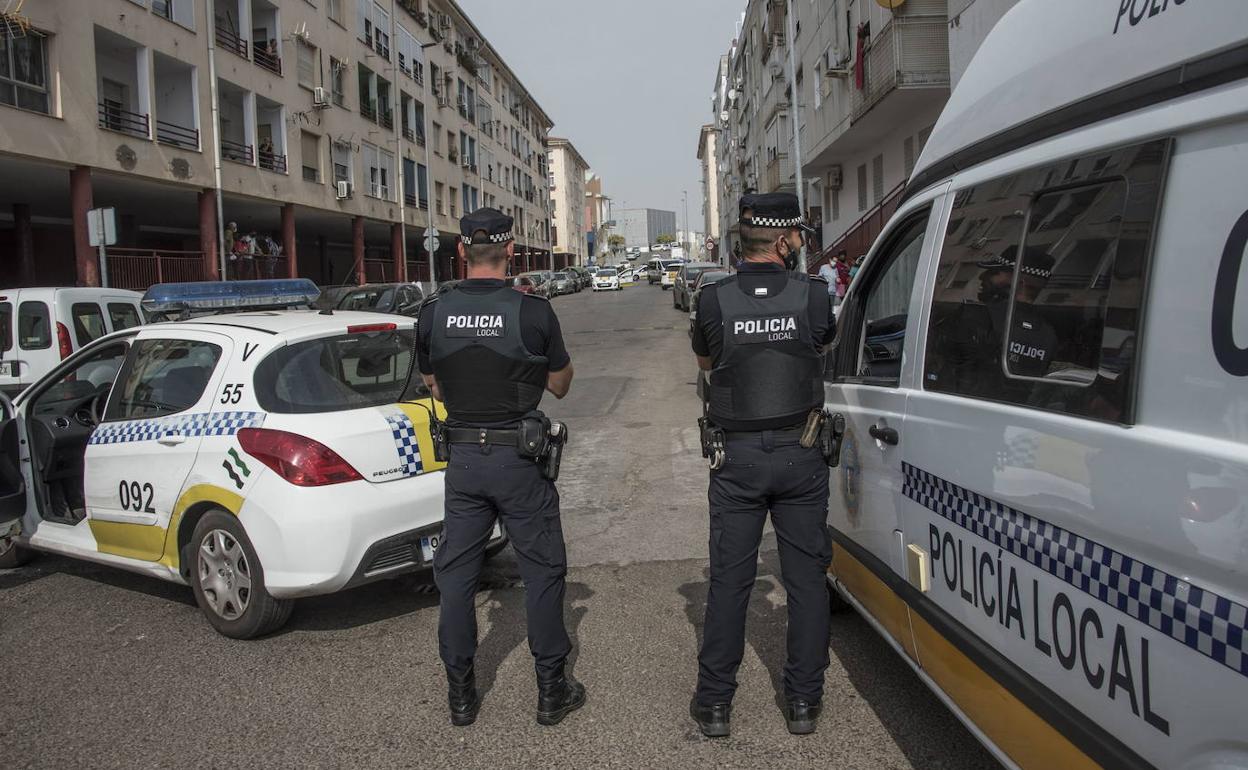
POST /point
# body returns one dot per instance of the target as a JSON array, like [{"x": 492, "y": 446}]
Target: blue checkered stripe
[
  {"x": 404, "y": 433},
  {"x": 201, "y": 424},
  {"x": 1213, "y": 625}
]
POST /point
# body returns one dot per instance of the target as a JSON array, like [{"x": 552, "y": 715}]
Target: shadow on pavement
[{"x": 45, "y": 565}]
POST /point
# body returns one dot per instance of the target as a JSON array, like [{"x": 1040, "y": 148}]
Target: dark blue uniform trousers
[
  {"x": 767, "y": 471},
  {"x": 484, "y": 484}
]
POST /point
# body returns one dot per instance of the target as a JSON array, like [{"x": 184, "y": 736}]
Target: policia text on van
[{"x": 1042, "y": 494}]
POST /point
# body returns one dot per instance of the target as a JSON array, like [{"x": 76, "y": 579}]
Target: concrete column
[
  {"x": 322, "y": 252},
  {"x": 357, "y": 248},
  {"x": 86, "y": 258},
  {"x": 208, "y": 234},
  {"x": 24, "y": 235},
  {"x": 396, "y": 251},
  {"x": 288, "y": 240}
]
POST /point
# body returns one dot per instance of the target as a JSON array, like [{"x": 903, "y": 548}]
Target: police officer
[
  {"x": 760, "y": 334},
  {"x": 487, "y": 352}
]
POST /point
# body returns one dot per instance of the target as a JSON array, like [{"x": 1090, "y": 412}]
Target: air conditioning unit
[
  {"x": 466, "y": 164},
  {"x": 461, "y": 102},
  {"x": 320, "y": 99},
  {"x": 836, "y": 178},
  {"x": 344, "y": 190},
  {"x": 443, "y": 100},
  {"x": 834, "y": 62}
]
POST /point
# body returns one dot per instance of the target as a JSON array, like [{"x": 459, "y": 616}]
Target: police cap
[
  {"x": 1036, "y": 262},
  {"x": 496, "y": 224},
  {"x": 777, "y": 210}
]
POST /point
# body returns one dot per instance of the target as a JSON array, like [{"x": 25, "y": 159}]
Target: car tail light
[
  {"x": 62, "y": 340},
  {"x": 370, "y": 328},
  {"x": 298, "y": 459}
]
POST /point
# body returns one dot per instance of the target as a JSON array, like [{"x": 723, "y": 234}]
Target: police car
[
  {"x": 258, "y": 456},
  {"x": 1041, "y": 499}
]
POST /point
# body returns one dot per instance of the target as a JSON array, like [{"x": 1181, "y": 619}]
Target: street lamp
[
  {"x": 433, "y": 269},
  {"x": 688, "y": 246}
]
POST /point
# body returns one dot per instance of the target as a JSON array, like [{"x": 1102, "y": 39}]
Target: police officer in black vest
[
  {"x": 487, "y": 352},
  {"x": 760, "y": 334}
]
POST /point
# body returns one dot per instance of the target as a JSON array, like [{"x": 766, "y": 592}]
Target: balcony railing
[
  {"x": 369, "y": 110},
  {"x": 238, "y": 152},
  {"x": 909, "y": 52},
  {"x": 386, "y": 119},
  {"x": 774, "y": 176},
  {"x": 229, "y": 40},
  {"x": 267, "y": 59},
  {"x": 178, "y": 136},
  {"x": 272, "y": 161},
  {"x": 409, "y": 134},
  {"x": 138, "y": 269},
  {"x": 114, "y": 118}
]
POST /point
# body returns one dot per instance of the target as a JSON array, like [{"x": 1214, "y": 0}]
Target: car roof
[
  {"x": 92, "y": 290},
  {"x": 295, "y": 323}
]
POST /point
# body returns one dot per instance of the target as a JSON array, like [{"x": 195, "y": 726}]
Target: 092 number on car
[{"x": 136, "y": 497}]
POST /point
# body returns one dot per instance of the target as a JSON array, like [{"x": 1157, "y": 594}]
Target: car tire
[
  {"x": 260, "y": 613},
  {"x": 13, "y": 555}
]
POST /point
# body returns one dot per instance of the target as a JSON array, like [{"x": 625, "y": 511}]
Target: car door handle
[
  {"x": 173, "y": 439},
  {"x": 887, "y": 435}
]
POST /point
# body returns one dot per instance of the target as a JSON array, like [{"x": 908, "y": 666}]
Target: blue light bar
[{"x": 228, "y": 296}]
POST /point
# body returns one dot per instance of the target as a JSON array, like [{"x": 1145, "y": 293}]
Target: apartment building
[
  {"x": 343, "y": 129},
  {"x": 709, "y": 159},
  {"x": 567, "y": 197},
  {"x": 597, "y": 216}
]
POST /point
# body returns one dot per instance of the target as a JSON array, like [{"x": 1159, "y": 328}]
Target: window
[
  {"x": 333, "y": 374},
  {"x": 309, "y": 63},
  {"x": 6, "y": 327},
  {"x": 34, "y": 326},
  {"x": 437, "y": 197},
  {"x": 862, "y": 187},
  {"x": 379, "y": 165},
  {"x": 24, "y": 71},
  {"x": 452, "y": 197},
  {"x": 88, "y": 322},
  {"x": 880, "y": 313},
  {"x": 877, "y": 180},
  {"x": 178, "y": 11},
  {"x": 338, "y": 81},
  {"x": 162, "y": 377},
  {"x": 333, "y": 9},
  {"x": 437, "y": 138},
  {"x": 1039, "y": 291},
  {"x": 310, "y": 153},
  {"x": 123, "y": 316},
  {"x": 340, "y": 159},
  {"x": 91, "y": 376}
]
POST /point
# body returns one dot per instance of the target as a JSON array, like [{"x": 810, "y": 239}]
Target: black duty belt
[
  {"x": 795, "y": 430},
  {"x": 481, "y": 436}
]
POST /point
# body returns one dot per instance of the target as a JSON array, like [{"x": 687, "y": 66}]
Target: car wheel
[
  {"x": 13, "y": 555},
  {"x": 228, "y": 580}
]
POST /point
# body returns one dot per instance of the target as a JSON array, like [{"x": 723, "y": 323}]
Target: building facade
[
  {"x": 597, "y": 217},
  {"x": 567, "y": 199},
  {"x": 641, "y": 228},
  {"x": 344, "y": 129},
  {"x": 709, "y": 160}
]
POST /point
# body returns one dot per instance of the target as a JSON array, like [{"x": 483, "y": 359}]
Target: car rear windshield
[{"x": 333, "y": 374}]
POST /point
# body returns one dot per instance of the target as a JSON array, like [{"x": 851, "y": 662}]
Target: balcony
[
  {"x": 386, "y": 119},
  {"x": 177, "y": 112},
  {"x": 230, "y": 40},
  {"x": 178, "y": 136},
  {"x": 267, "y": 59},
  {"x": 409, "y": 134},
  {"x": 369, "y": 110},
  {"x": 909, "y": 53},
  {"x": 778, "y": 174},
  {"x": 238, "y": 152},
  {"x": 115, "y": 118},
  {"x": 272, "y": 161},
  {"x": 266, "y": 47}
]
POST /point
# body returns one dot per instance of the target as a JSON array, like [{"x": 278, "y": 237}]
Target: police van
[
  {"x": 1041, "y": 499},
  {"x": 257, "y": 456}
]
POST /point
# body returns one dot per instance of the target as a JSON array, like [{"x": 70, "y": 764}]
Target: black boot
[
  {"x": 462, "y": 697},
  {"x": 801, "y": 715},
  {"x": 557, "y": 698},
  {"x": 712, "y": 720}
]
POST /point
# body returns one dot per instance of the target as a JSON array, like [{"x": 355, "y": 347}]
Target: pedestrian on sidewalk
[
  {"x": 488, "y": 352},
  {"x": 761, "y": 335}
]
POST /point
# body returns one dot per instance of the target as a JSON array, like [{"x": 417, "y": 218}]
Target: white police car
[{"x": 258, "y": 456}]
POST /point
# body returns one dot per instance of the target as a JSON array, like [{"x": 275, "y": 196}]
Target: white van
[
  {"x": 41, "y": 327},
  {"x": 1042, "y": 493}
]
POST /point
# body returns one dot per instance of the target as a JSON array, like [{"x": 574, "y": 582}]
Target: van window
[
  {"x": 1041, "y": 282},
  {"x": 6, "y": 327},
  {"x": 161, "y": 377},
  {"x": 34, "y": 326},
  {"x": 333, "y": 374},
  {"x": 88, "y": 322},
  {"x": 880, "y": 314},
  {"x": 123, "y": 316}
]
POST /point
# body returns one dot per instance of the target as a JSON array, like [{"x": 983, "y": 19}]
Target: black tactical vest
[
  {"x": 477, "y": 350},
  {"x": 769, "y": 367}
]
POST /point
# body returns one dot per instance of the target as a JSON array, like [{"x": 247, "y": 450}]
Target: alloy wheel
[{"x": 224, "y": 574}]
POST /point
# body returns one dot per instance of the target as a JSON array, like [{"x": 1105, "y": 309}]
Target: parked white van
[
  {"x": 41, "y": 327},
  {"x": 1042, "y": 493}
]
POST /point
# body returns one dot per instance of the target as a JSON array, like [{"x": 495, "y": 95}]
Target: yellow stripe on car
[
  {"x": 418, "y": 413},
  {"x": 149, "y": 542}
]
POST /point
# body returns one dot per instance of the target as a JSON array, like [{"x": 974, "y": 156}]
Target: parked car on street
[
  {"x": 563, "y": 282},
  {"x": 707, "y": 277},
  {"x": 257, "y": 457},
  {"x": 606, "y": 279},
  {"x": 686, "y": 278},
  {"x": 524, "y": 284},
  {"x": 400, "y": 298},
  {"x": 541, "y": 286},
  {"x": 41, "y": 327}
]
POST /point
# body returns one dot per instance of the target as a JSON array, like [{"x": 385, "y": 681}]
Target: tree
[
  {"x": 665, "y": 239},
  {"x": 616, "y": 242}
]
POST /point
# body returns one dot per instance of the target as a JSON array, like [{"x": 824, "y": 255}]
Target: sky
[{"x": 628, "y": 82}]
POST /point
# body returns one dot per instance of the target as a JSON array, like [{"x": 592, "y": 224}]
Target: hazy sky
[{"x": 628, "y": 82}]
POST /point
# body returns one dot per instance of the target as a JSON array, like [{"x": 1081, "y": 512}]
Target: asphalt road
[{"x": 107, "y": 669}]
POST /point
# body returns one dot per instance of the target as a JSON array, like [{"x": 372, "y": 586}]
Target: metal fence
[
  {"x": 137, "y": 269},
  {"x": 909, "y": 52}
]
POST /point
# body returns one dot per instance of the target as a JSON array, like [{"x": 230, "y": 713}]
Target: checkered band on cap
[
  {"x": 771, "y": 222},
  {"x": 495, "y": 238},
  {"x": 1196, "y": 617},
  {"x": 1036, "y": 272}
]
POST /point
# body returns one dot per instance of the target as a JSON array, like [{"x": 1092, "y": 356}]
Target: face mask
[
  {"x": 990, "y": 294},
  {"x": 790, "y": 258}
]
